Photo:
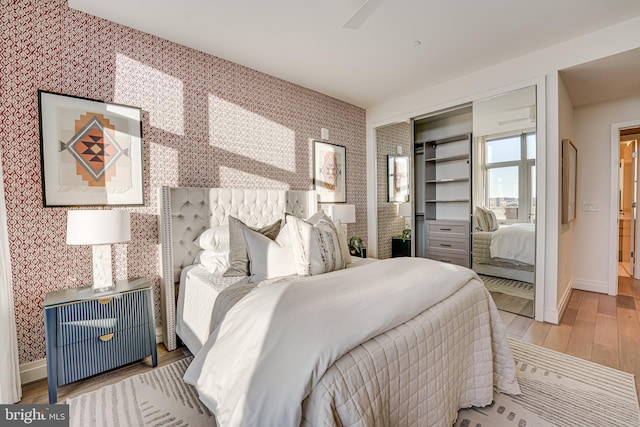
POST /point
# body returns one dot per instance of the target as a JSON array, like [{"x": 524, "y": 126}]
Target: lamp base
[{"x": 102, "y": 278}]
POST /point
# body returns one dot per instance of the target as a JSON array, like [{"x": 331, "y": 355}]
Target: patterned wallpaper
[
  {"x": 389, "y": 223},
  {"x": 206, "y": 122}
]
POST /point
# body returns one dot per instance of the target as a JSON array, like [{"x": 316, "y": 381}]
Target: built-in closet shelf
[
  {"x": 448, "y": 201},
  {"x": 447, "y": 180},
  {"x": 447, "y": 159}
]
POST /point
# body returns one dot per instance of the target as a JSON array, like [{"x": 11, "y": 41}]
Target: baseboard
[
  {"x": 564, "y": 301},
  {"x": 590, "y": 285},
  {"x": 37, "y": 370},
  {"x": 33, "y": 371},
  {"x": 554, "y": 314}
]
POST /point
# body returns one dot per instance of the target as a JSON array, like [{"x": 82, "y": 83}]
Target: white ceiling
[{"x": 304, "y": 41}]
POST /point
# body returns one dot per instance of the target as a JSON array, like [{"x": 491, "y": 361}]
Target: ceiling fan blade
[{"x": 362, "y": 14}]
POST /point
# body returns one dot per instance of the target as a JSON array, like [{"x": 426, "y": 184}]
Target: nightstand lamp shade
[
  {"x": 346, "y": 214},
  {"x": 404, "y": 211},
  {"x": 99, "y": 228}
]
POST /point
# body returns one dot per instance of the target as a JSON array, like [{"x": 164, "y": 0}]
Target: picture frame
[
  {"x": 569, "y": 181},
  {"x": 329, "y": 172},
  {"x": 90, "y": 152},
  {"x": 397, "y": 178}
]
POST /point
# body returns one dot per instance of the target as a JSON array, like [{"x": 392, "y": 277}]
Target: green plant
[
  {"x": 406, "y": 234},
  {"x": 355, "y": 244}
]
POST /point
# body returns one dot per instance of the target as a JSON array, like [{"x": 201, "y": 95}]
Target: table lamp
[
  {"x": 99, "y": 228},
  {"x": 346, "y": 214}
]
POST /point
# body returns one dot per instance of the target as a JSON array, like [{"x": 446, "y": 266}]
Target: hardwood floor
[
  {"x": 601, "y": 328},
  {"x": 596, "y": 327}
]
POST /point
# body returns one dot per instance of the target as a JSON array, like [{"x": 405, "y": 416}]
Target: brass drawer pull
[
  {"x": 106, "y": 337},
  {"x": 105, "y": 300}
]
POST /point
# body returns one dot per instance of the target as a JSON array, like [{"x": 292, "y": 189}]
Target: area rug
[
  {"x": 508, "y": 287},
  {"x": 155, "y": 398},
  {"x": 557, "y": 390}
]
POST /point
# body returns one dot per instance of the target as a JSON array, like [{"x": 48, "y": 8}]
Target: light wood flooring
[
  {"x": 596, "y": 327},
  {"x": 601, "y": 328}
]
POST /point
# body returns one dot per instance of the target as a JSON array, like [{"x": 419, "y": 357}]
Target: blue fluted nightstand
[{"x": 88, "y": 333}]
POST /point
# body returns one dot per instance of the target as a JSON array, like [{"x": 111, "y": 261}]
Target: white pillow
[
  {"x": 214, "y": 262},
  {"x": 344, "y": 243},
  {"x": 316, "y": 249},
  {"x": 313, "y": 219},
  {"x": 214, "y": 239},
  {"x": 269, "y": 258}
]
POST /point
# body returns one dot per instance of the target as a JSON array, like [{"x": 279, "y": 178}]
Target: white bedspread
[
  {"x": 277, "y": 342},
  {"x": 515, "y": 241}
]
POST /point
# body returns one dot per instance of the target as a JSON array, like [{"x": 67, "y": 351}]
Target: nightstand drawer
[
  {"x": 92, "y": 318},
  {"x": 92, "y": 356},
  {"x": 451, "y": 244},
  {"x": 449, "y": 257},
  {"x": 440, "y": 227}
]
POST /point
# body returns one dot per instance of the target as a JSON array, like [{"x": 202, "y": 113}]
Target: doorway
[{"x": 627, "y": 201}]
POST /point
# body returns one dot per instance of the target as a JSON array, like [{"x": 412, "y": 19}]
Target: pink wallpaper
[{"x": 206, "y": 122}]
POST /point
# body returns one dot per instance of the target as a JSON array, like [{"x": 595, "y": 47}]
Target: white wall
[
  {"x": 539, "y": 66},
  {"x": 591, "y": 237},
  {"x": 565, "y": 237}
]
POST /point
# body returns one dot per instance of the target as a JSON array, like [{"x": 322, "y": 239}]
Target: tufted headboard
[{"x": 185, "y": 212}]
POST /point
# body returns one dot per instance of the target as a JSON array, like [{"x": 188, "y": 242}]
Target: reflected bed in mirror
[{"x": 504, "y": 195}]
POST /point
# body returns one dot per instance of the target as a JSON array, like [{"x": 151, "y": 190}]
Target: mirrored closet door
[{"x": 504, "y": 198}]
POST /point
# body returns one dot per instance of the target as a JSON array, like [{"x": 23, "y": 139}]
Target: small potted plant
[{"x": 356, "y": 247}]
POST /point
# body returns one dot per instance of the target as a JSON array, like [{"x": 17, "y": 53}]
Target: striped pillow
[{"x": 316, "y": 248}]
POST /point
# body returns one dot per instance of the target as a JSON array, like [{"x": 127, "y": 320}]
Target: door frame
[{"x": 613, "y": 206}]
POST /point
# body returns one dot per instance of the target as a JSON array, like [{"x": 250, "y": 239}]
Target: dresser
[
  {"x": 448, "y": 241},
  {"x": 88, "y": 333}
]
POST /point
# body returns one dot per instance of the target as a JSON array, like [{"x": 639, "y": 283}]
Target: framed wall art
[
  {"x": 329, "y": 164},
  {"x": 397, "y": 178},
  {"x": 569, "y": 169},
  {"x": 91, "y": 152}
]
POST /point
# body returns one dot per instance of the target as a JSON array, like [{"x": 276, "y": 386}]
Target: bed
[
  {"x": 371, "y": 344},
  {"x": 507, "y": 252}
]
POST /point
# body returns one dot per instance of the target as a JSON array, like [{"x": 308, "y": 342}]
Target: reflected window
[{"x": 510, "y": 177}]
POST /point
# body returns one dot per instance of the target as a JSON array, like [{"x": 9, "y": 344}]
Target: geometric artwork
[
  {"x": 91, "y": 152},
  {"x": 329, "y": 172}
]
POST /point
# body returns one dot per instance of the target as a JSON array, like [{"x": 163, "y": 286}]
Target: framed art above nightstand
[{"x": 88, "y": 333}]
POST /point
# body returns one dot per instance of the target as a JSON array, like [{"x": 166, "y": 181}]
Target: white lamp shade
[
  {"x": 404, "y": 209},
  {"x": 98, "y": 227},
  {"x": 346, "y": 214}
]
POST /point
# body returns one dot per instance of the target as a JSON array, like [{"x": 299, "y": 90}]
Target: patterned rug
[
  {"x": 508, "y": 286},
  {"x": 558, "y": 390}
]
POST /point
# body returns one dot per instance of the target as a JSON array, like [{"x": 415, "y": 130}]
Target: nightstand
[
  {"x": 362, "y": 254},
  {"x": 91, "y": 332},
  {"x": 400, "y": 247}
]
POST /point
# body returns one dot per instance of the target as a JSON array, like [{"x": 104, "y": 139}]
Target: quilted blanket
[{"x": 278, "y": 346}]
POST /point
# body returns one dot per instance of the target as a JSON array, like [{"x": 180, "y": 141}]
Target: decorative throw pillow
[
  {"x": 316, "y": 248},
  {"x": 493, "y": 221},
  {"x": 313, "y": 219},
  {"x": 344, "y": 243},
  {"x": 214, "y": 239},
  {"x": 481, "y": 218},
  {"x": 269, "y": 258},
  {"x": 238, "y": 259}
]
